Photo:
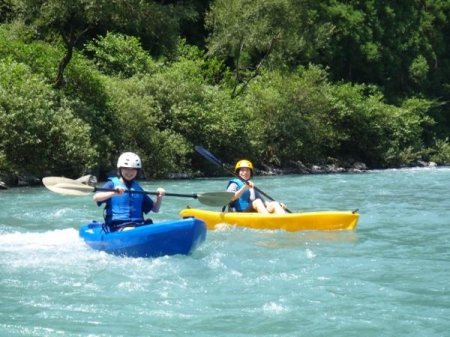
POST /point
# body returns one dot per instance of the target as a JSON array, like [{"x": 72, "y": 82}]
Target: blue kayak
[{"x": 158, "y": 239}]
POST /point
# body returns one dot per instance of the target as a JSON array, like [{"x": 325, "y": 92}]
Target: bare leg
[
  {"x": 275, "y": 207},
  {"x": 259, "y": 206}
]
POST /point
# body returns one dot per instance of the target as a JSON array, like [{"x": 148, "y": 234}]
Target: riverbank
[
  {"x": 7, "y": 181},
  {"x": 357, "y": 167}
]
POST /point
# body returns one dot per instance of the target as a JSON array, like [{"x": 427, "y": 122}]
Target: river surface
[{"x": 389, "y": 277}]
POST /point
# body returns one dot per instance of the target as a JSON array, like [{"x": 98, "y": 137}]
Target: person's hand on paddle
[
  {"x": 237, "y": 194},
  {"x": 105, "y": 195},
  {"x": 249, "y": 184},
  {"x": 119, "y": 190},
  {"x": 161, "y": 193}
]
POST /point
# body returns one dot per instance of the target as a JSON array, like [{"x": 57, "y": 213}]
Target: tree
[
  {"x": 5, "y": 10},
  {"x": 76, "y": 20},
  {"x": 401, "y": 46},
  {"x": 251, "y": 34},
  {"x": 120, "y": 55},
  {"x": 39, "y": 134}
]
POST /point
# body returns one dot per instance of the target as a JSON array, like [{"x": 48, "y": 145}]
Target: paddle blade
[
  {"x": 51, "y": 181},
  {"x": 66, "y": 186},
  {"x": 208, "y": 155},
  {"x": 74, "y": 189},
  {"x": 215, "y": 198}
]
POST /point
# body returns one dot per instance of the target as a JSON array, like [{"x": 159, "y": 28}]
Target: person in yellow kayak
[
  {"x": 246, "y": 198},
  {"x": 124, "y": 209}
]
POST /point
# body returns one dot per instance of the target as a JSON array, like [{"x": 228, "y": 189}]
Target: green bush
[
  {"x": 407, "y": 124},
  {"x": 17, "y": 43},
  {"x": 120, "y": 55},
  {"x": 300, "y": 116},
  {"x": 289, "y": 113},
  {"x": 38, "y": 134},
  {"x": 440, "y": 154},
  {"x": 377, "y": 133},
  {"x": 134, "y": 128},
  {"x": 199, "y": 112}
]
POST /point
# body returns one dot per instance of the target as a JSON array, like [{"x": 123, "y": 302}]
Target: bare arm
[
  {"x": 157, "y": 205},
  {"x": 103, "y": 196},
  {"x": 239, "y": 192}
]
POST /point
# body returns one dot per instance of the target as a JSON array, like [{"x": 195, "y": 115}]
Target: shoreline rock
[
  {"x": 300, "y": 168},
  {"x": 296, "y": 168}
]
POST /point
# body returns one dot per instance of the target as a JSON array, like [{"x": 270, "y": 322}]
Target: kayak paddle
[
  {"x": 68, "y": 186},
  {"x": 216, "y": 161}
]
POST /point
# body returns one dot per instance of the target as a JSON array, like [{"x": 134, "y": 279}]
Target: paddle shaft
[
  {"x": 101, "y": 189},
  {"x": 210, "y": 157}
]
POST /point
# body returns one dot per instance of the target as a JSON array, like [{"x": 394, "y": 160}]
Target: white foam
[
  {"x": 49, "y": 240},
  {"x": 273, "y": 307}
]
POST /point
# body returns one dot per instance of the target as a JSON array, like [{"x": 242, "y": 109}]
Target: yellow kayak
[{"x": 325, "y": 221}]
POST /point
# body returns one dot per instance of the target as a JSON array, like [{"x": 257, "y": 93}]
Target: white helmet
[{"x": 129, "y": 159}]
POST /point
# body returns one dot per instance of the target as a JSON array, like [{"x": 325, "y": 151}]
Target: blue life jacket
[
  {"x": 125, "y": 207},
  {"x": 243, "y": 203}
]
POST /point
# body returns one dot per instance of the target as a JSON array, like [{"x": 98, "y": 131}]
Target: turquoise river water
[{"x": 389, "y": 277}]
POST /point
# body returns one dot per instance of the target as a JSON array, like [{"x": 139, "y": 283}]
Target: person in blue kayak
[
  {"x": 246, "y": 198},
  {"x": 123, "y": 209}
]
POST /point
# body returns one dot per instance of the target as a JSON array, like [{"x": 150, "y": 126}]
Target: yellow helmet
[{"x": 243, "y": 163}]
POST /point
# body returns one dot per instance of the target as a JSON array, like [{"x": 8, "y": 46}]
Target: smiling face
[
  {"x": 245, "y": 173},
  {"x": 128, "y": 173}
]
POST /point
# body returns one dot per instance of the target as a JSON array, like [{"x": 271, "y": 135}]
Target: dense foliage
[{"x": 284, "y": 83}]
